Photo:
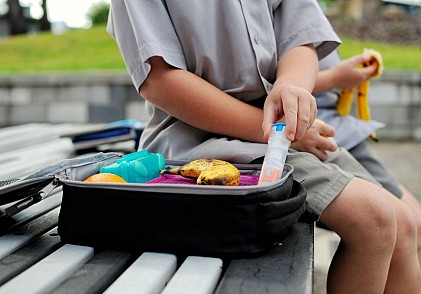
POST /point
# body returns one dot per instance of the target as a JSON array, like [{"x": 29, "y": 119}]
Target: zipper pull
[
  {"x": 47, "y": 190},
  {"x": 33, "y": 198}
]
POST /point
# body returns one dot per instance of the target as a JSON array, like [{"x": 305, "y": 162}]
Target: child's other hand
[
  {"x": 349, "y": 73},
  {"x": 294, "y": 105},
  {"x": 317, "y": 140}
]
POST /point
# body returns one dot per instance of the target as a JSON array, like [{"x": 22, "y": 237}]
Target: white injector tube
[{"x": 276, "y": 154}]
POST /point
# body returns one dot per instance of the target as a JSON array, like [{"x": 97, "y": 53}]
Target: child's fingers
[
  {"x": 370, "y": 70},
  {"x": 327, "y": 130},
  {"x": 328, "y": 144},
  {"x": 321, "y": 154},
  {"x": 271, "y": 114},
  {"x": 300, "y": 112},
  {"x": 305, "y": 118},
  {"x": 358, "y": 59},
  {"x": 274, "y": 111},
  {"x": 299, "y": 109},
  {"x": 291, "y": 108}
]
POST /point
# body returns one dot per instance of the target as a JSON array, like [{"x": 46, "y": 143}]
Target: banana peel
[
  {"x": 346, "y": 97},
  {"x": 208, "y": 172},
  {"x": 345, "y": 101}
]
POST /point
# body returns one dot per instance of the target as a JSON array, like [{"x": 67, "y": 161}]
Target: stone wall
[
  {"x": 395, "y": 99},
  {"x": 73, "y": 98}
]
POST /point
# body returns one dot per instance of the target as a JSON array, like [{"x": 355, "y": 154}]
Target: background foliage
[{"x": 98, "y": 13}]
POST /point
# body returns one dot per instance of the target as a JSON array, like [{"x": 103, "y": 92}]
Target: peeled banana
[
  {"x": 347, "y": 95},
  {"x": 362, "y": 100},
  {"x": 345, "y": 101},
  {"x": 363, "y": 107},
  {"x": 208, "y": 172}
]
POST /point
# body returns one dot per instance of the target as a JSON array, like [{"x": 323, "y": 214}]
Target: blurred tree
[
  {"x": 19, "y": 18},
  {"x": 98, "y": 13},
  {"x": 17, "y": 21},
  {"x": 45, "y": 24},
  {"x": 355, "y": 9}
]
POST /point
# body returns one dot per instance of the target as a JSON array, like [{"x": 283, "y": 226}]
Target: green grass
[
  {"x": 78, "y": 50},
  {"x": 395, "y": 57},
  {"x": 95, "y": 50}
]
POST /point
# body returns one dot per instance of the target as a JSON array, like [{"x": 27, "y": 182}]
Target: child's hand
[
  {"x": 294, "y": 105},
  {"x": 317, "y": 140},
  {"x": 349, "y": 73}
]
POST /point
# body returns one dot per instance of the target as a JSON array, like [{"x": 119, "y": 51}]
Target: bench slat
[
  {"x": 49, "y": 272},
  {"x": 195, "y": 276},
  {"x": 97, "y": 274},
  {"x": 23, "y": 235},
  {"x": 22, "y": 259},
  {"x": 148, "y": 274},
  {"x": 288, "y": 268},
  {"x": 8, "y": 224}
]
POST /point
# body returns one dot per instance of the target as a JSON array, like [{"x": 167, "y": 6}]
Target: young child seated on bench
[
  {"x": 217, "y": 74},
  {"x": 351, "y": 132}
]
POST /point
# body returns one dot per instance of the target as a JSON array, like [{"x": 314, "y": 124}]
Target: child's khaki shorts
[{"x": 325, "y": 180}]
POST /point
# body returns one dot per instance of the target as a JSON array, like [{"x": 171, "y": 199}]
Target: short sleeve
[
  {"x": 142, "y": 29},
  {"x": 300, "y": 22}
]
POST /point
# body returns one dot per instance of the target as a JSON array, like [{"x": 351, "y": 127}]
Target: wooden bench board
[
  {"x": 148, "y": 274},
  {"x": 97, "y": 274},
  {"x": 7, "y": 224},
  {"x": 288, "y": 268},
  {"x": 21, "y": 236},
  {"x": 46, "y": 274},
  {"x": 23, "y": 258},
  {"x": 196, "y": 275}
]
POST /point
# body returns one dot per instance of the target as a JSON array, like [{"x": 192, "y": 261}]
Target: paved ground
[{"x": 403, "y": 159}]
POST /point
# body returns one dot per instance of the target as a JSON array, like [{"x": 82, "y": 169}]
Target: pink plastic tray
[{"x": 245, "y": 180}]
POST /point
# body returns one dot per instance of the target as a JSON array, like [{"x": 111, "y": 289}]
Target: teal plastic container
[{"x": 137, "y": 167}]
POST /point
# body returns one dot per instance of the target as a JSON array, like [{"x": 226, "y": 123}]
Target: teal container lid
[{"x": 137, "y": 167}]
